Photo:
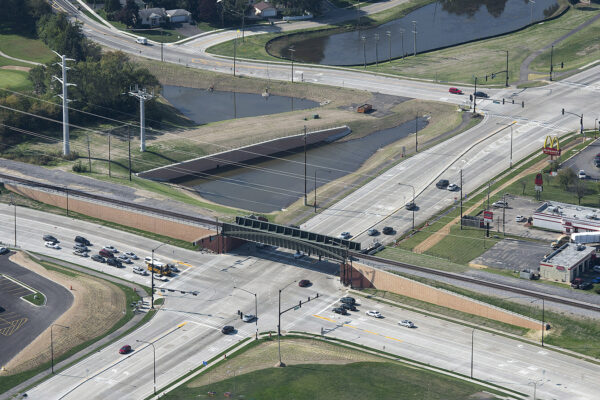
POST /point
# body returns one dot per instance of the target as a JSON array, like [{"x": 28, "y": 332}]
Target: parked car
[
  {"x": 139, "y": 271},
  {"x": 596, "y": 268},
  {"x": 52, "y": 245},
  {"x": 374, "y": 313},
  {"x": 481, "y": 94},
  {"x": 500, "y": 204},
  {"x": 410, "y": 206},
  {"x": 98, "y": 258},
  {"x": 105, "y": 253},
  {"x": 586, "y": 286},
  {"x": 111, "y": 249},
  {"x": 345, "y": 235},
  {"x": 125, "y": 259},
  {"x": 298, "y": 254},
  {"x": 454, "y": 90},
  {"x": 80, "y": 253},
  {"x": 339, "y": 310},
  {"x": 442, "y": 184},
  {"x": 406, "y": 323},
  {"x": 453, "y": 187},
  {"x": 581, "y": 174},
  {"x": 3, "y": 250},
  {"x": 520, "y": 218},
  {"x": 50, "y": 238},
  {"x": 227, "y": 329},
  {"x": 131, "y": 255},
  {"x": 596, "y": 280},
  {"x": 348, "y": 300},
  {"x": 349, "y": 307},
  {"x": 125, "y": 349},
  {"x": 248, "y": 317},
  {"x": 82, "y": 240},
  {"x": 387, "y": 230},
  {"x": 114, "y": 262},
  {"x": 304, "y": 283},
  {"x": 372, "y": 232}
]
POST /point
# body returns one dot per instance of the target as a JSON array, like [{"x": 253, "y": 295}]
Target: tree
[
  {"x": 112, "y": 6},
  {"x": 566, "y": 176},
  {"x": 66, "y": 38},
  {"x": 128, "y": 14},
  {"x": 579, "y": 188},
  {"x": 523, "y": 183}
]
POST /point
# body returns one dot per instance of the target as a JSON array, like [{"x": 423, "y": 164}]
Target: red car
[
  {"x": 304, "y": 283},
  {"x": 125, "y": 349},
  {"x": 454, "y": 90}
]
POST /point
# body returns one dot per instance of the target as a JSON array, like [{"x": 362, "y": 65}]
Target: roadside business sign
[
  {"x": 488, "y": 215},
  {"x": 551, "y": 146}
]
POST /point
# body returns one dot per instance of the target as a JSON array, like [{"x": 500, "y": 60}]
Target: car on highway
[
  {"x": 123, "y": 258},
  {"x": 481, "y": 94},
  {"x": 106, "y": 254},
  {"x": 149, "y": 260},
  {"x": 82, "y": 240},
  {"x": 442, "y": 184},
  {"x": 161, "y": 278},
  {"x": 581, "y": 174},
  {"x": 410, "y": 206},
  {"x": 304, "y": 283},
  {"x": 520, "y": 218},
  {"x": 298, "y": 254},
  {"x": 125, "y": 349},
  {"x": 81, "y": 247},
  {"x": 131, "y": 255},
  {"x": 227, "y": 329},
  {"x": 453, "y": 187},
  {"x": 349, "y": 307},
  {"x": 387, "y": 230},
  {"x": 52, "y": 245},
  {"x": 406, "y": 323},
  {"x": 372, "y": 232},
  {"x": 173, "y": 268},
  {"x": 248, "y": 317},
  {"x": 454, "y": 90},
  {"x": 340, "y": 310},
  {"x": 139, "y": 271},
  {"x": 345, "y": 235},
  {"x": 50, "y": 238},
  {"x": 374, "y": 313},
  {"x": 348, "y": 300},
  {"x": 114, "y": 262},
  {"x": 500, "y": 204},
  {"x": 80, "y": 253},
  {"x": 98, "y": 258},
  {"x": 3, "y": 250},
  {"x": 110, "y": 248}
]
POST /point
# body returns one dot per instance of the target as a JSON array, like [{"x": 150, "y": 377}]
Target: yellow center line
[{"x": 357, "y": 328}]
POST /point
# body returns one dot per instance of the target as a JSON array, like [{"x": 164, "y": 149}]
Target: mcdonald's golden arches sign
[{"x": 551, "y": 146}]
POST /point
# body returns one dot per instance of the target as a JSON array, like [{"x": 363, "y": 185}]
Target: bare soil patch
[
  {"x": 16, "y": 68},
  {"x": 293, "y": 351},
  {"x": 97, "y": 306}
]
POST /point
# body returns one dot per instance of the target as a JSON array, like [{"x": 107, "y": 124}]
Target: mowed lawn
[
  {"x": 24, "y": 48},
  {"x": 15, "y": 80},
  {"x": 361, "y": 380}
]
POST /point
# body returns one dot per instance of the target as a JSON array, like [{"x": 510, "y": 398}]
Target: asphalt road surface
[
  {"x": 585, "y": 161},
  {"x": 21, "y": 322}
]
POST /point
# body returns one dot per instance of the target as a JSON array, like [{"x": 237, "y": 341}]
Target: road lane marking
[{"x": 357, "y": 328}]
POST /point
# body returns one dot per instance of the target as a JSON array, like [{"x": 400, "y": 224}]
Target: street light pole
[
  {"x": 234, "y": 51},
  {"x": 413, "y": 201},
  {"x": 389, "y": 35},
  {"x": 417, "y": 133},
  {"x": 255, "y": 307},
  {"x": 52, "y": 345},
  {"x": 12, "y": 202},
  {"x": 292, "y": 50},
  {"x": 551, "y": 63},
  {"x": 377, "y": 49},
  {"x": 475, "y": 97},
  {"x": 154, "y": 351},
  {"x": 506, "y": 68},
  {"x": 415, "y": 38},
  {"x": 402, "y": 40},
  {"x": 363, "y": 38},
  {"x": 281, "y": 364}
]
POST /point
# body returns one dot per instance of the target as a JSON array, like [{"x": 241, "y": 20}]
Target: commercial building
[
  {"x": 567, "y": 262},
  {"x": 567, "y": 218}
]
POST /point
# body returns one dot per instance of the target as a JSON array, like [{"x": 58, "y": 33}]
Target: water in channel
[
  {"x": 439, "y": 24},
  {"x": 204, "y": 106},
  {"x": 273, "y": 184}
]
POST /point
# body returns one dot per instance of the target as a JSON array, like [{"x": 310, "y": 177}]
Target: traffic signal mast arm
[{"x": 299, "y": 304}]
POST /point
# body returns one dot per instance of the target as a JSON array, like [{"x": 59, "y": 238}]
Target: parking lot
[
  {"x": 514, "y": 255},
  {"x": 585, "y": 161}
]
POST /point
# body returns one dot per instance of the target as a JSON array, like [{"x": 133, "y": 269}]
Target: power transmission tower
[
  {"x": 142, "y": 95},
  {"x": 65, "y": 100}
]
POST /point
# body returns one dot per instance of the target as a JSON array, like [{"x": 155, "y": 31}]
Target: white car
[
  {"x": 52, "y": 245},
  {"x": 406, "y": 323},
  {"x": 374, "y": 313},
  {"x": 161, "y": 278},
  {"x": 345, "y": 235},
  {"x": 149, "y": 259},
  {"x": 80, "y": 253},
  {"x": 111, "y": 249},
  {"x": 131, "y": 255},
  {"x": 298, "y": 254},
  {"x": 597, "y": 268},
  {"x": 581, "y": 174},
  {"x": 500, "y": 204},
  {"x": 248, "y": 317},
  {"x": 452, "y": 187},
  {"x": 139, "y": 271},
  {"x": 520, "y": 218}
]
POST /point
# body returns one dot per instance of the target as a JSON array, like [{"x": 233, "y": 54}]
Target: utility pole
[
  {"x": 65, "y": 100},
  {"x": 89, "y": 153},
  {"x": 461, "y": 201},
  {"x": 161, "y": 45},
  {"x": 129, "y": 149},
  {"x": 506, "y": 68},
  {"x": 109, "y": 174},
  {"x": 377, "y": 49},
  {"x": 402, "y": 40},
  {"x": 503, "y": 214},
  {"x": 315, "y": 190},
  {"x": 363, "y": 38},
  {"x": 417, "y": 133},
  {"x": 142, "y": 95},
  {"x": 234, "y": 52},
  {"x": 305, "y": 199},
  {"x": 415, "y": 38},
  {"x": 389, "y": 35},
  {"x": 551, "y": 63},
  {"x": 475, "y": 97},
  {"x": 292, "y": 50},
  {"x": 511, "y": 140}
]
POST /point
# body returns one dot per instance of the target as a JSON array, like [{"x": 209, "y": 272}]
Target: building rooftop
[
  {"x": 147, "y": 12},
  {"x": 263, "y": 6},
  {"x": 178, "y": 12},
  {"x": 568, "y": 255},
  {"x": 569, "y": 211}
]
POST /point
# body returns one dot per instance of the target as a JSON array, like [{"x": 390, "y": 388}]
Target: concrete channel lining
[{"x": 243, "y": 154}]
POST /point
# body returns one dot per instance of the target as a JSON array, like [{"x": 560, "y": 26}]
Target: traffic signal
[
  {"x": 486, "y": 78},
  {"x": 562, "y": 64},
  {"x": 300, "y": 304},
  {"x": 523, "y": 104},
  {"x": 493, "y": 76},
  {"x": 470, "y": 97},
  {"x": 317, "y": 296},
  {"x": 241, "y": 315},
  {"x": 503, "y": 100},
  {"x": 563, "y": 111}
]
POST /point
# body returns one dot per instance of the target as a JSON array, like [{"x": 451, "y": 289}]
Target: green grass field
[
  {"x": 15, "y": 80},
  {"x": 25, "y": 48},
  {"x": 33, "y": 300}
]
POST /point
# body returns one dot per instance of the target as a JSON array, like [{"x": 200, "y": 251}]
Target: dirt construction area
[{"x": 87, "y": 317}]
